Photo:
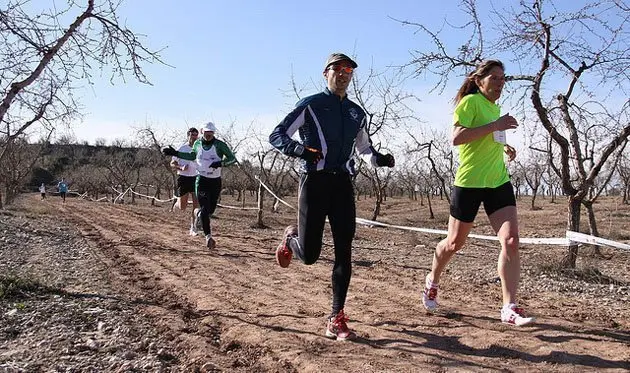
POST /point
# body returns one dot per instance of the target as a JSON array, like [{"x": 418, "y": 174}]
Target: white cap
[{"x": 208, "y": 127}]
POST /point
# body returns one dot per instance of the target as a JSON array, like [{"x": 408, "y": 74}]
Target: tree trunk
[
  {"x": 431, "y": 215},
  {"x": 592, "y": 224},
  {"x": 8, "y": 194},
  {"x": 377, "y": 206},
  {"x": 156, "y": 195},
  {"x": 259, "y": 215},
  {"x": 533, "y": 207},
  {"x": 573, "y": 224}
]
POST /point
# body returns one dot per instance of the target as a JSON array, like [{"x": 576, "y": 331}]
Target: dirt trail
[{"x": 235, "y": 306}]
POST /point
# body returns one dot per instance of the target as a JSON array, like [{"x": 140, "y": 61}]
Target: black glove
[
  {"x": 170, "y": 151},
  {"x": 216, "y": 164},
  {"x": 383, "y": 160},
  {"x": 311, "y": 155}
]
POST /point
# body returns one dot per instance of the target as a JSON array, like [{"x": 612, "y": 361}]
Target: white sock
[
  {"x": 509, "y": 306},
  {"x": 430, "y": 284}
]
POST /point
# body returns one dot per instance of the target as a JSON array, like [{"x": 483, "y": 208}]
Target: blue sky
[{"x": 232, "y": 60}]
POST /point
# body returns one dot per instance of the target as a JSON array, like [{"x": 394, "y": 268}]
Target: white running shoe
[
  {"x": 193, "y": 231},
  {"x": 513, "y": 315},
  {"x": 429, "y": 295},
  {"x": 198, "y": 224}
]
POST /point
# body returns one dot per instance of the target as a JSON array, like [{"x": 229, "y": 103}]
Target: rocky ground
[
  {"x": 107, "y": 288},
  {"x": 45, "y": 325}
]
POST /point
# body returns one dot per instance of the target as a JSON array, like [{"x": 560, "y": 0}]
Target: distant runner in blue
[{"x": 62, "y": 187}]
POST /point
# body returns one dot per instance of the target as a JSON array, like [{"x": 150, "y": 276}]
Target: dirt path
[{"x": 234, "y": 307}]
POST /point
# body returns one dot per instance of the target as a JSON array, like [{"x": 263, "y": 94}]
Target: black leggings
[
  {"x": 320, "y": 195},
  {"x": 208, "y": 191}
]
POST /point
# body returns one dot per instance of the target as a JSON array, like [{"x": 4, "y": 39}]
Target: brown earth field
[{"x": 97, "y": 287}]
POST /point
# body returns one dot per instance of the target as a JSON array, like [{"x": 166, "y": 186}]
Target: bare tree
[
  {"x": 121, "y": 165},
  {"x": 380, "y": 180},
  {"x": 42, "y": 61},
  {"x": 160, "y": 173},
  {"x": 623, "y": 169},
  {"x": 407, "y": 178},
  {"x": 531, "y": 169},
  {"x": 439, "y": 153},
  {"x": 89, "y": 179},
  {"x": 573, "y": 64},
  {"x": 550, "y": 179},
  {"x": 18, "y": 164},
  {"x": 387, "y": 106}
]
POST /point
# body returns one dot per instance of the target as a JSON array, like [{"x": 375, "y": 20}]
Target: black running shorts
[
  {"x": 185, "y": 185},
  {"x": 465, "y": 202}
]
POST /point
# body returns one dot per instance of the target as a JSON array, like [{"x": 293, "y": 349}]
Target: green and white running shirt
[
  {"x": 481, "y": 163},
  {"x": 207, "y": 152}
]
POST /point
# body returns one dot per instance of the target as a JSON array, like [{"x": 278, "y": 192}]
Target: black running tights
[
  {"x": 329, "y": 195},
  {"x": 208, "y": 191}
]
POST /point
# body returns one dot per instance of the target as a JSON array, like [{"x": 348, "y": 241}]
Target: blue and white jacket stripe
[{"x": 335, "y": 127}]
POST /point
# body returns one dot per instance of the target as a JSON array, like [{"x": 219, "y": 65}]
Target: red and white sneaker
[
  {"x": 429, "y": 295},
  {"x": 337, "y": 328},
  {"x": 513, "y": 315},
  {"x": 284, "y": 252}
]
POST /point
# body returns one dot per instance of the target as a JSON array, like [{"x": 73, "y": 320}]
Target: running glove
[
  {"x": 383, "y": 160},
  {"x": 311, "y": 155},
  {"x": 216, "y": 164},
  {"x": 170, "y": 151}
]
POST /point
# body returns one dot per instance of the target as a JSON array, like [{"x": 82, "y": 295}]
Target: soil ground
[{"x": 92, "y": 286}]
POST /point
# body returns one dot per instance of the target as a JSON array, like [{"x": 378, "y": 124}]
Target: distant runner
[
  {"x": 42, "y": 190},
  {"x": 186, "y": 176},
  {"x": 62, "y": 187}
]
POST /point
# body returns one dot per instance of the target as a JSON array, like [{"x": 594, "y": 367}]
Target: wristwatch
[{"x": 298, "y": 150}]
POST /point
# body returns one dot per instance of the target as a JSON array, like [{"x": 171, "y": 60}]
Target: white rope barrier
[
  {"x": 533, "y": 241},
  {"x": 151, "y": 197},
  {"x": 592, "y": 240},
  {"x": 236, "y": 207},
  {"x": 85, "y": 196},
  {"x": 272, "y": 193},
  {"x": 571, "y": 237},
  {"x": 121, "y": 195},
  {"x": 172, "y": 199}
]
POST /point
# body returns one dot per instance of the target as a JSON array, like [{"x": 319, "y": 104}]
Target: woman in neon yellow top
[{"x": 482, "y": 176}]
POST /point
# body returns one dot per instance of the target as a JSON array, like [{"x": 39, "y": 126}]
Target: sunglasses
[{"x": 338, "y": 68}]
